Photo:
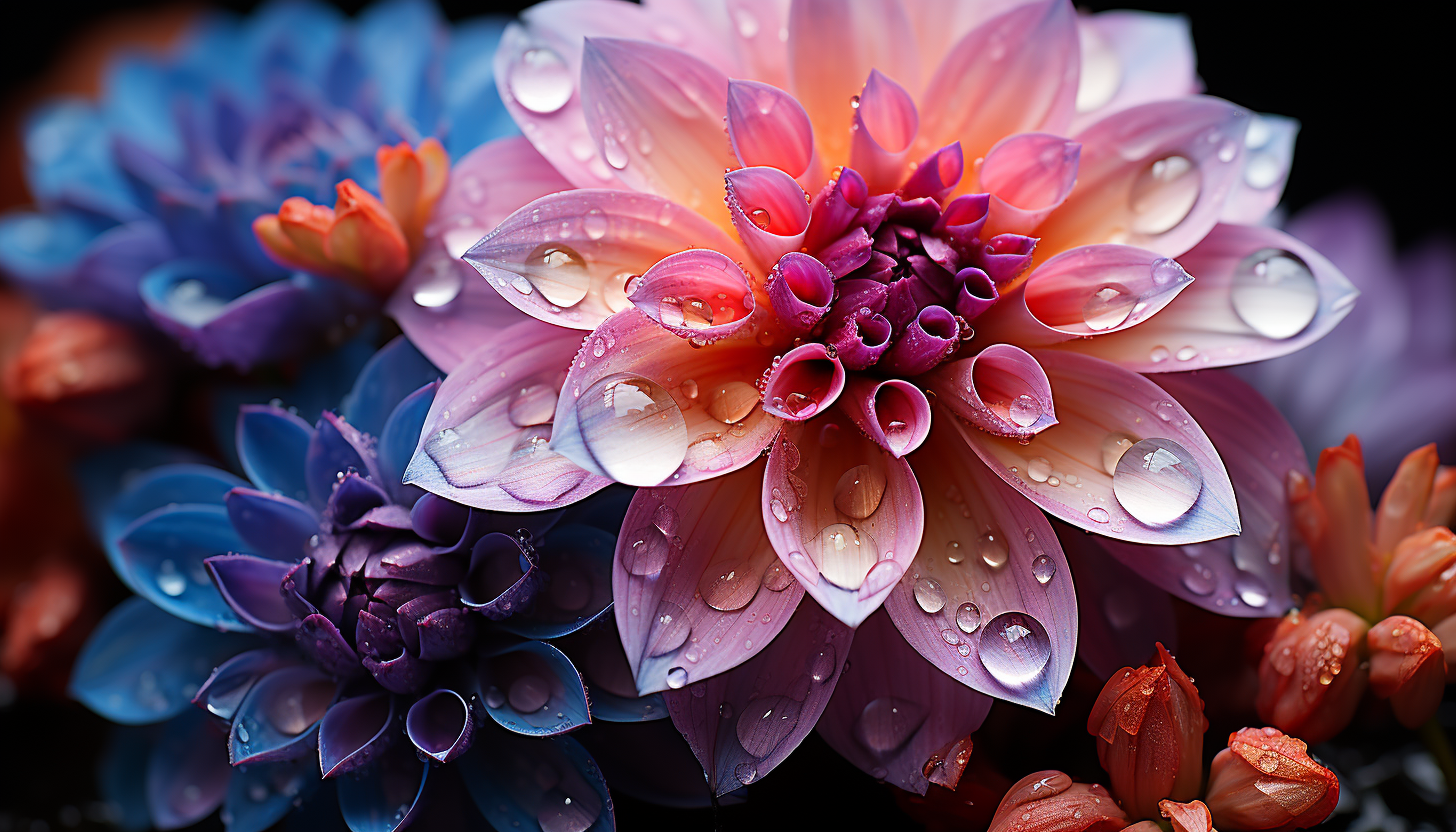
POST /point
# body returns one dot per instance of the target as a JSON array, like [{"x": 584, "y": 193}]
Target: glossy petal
[
  {"x": 805, "y": 382},
  {"x": 230, "y": 681},
  {"x": 1268, "y": 154},
  {"x": 894, "y": 413},
  {"x": 445, "y": 309},
  {"x": 1102, "y": 411},
  {"x": 400, "y": 437},
  {"x": 273, "y": 526},
  {"x": 501, "y": 774},
  {"x": 800, "y": 289},
  {"x": 151, "y": 488},
  {"x": 487, "y": 185},
  {"x": 252, "y": 587},
  {"x": 441, "y": 724},
  {"x": 264, "y": 793},
  {"x": 743, "y": 723},
  {"x": 698, "y": 589},
  {"x": 355, "y": 731},
  {"x": 844, "y": 516},
  {"x": 271, "y": 444},
  {"x": 769, "y": 127},
  {"x": 1131, "y": 58},
  {"x": 885, "y": 123},
  {"x": 1028, "y": 176},
  {"x": 893, "y": 711},
  {"x": 597, "y": 651},
  {"x": 577, "y": 562},
  {"x": 1001, "y": 390},
  {"x": 697, "y": 293},
  {"x": 769, "y": 211},
  {"x": 337, "y": 449},
  {"x": 391, "y": 374},
  {"x": 385, "y": 796},
  {"x": 187, "y": 772},
  {"x": 278, "y": 719},
  {"x": 163, "y": 553},
  {"x": 532, "y": 689}
]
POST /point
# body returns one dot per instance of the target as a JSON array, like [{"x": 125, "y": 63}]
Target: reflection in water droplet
[
  {"x": 540, "y": 81},
  {"x": 1168, "y": 270},
  {"x": 1200, "y": 580},
  {"x": 1014, "y": 647},
  {"x": 1251, "y": 589},
  {"x": 669, "y": 629},
  {"x": 441, "y": 285},
  {"x": 992, "y": 550},
  {"x": 1043, "y": 569},
  {"x": 1275, "y": 293},
  {"x": 777, "y": 577},
  {"x": 1025, "y": 410},
  {"x": 686, "y": 312},
  {"x": 613, "y": 152},
  {"x": 494, "y": 698},
  {"x": 1114, "y": 445},
  {"x": 821, "y": 667},
  {"x": 1157, "y": 481},
  {"x": 859, "y": 490},
  {"x": 968, "y": 617},
  {"x": 767, "y": 722},
  {"x": 780, "y": 511},
  {"x": 595, "y": 224},
  {"x": 633, "y": 429},
  {"x": 1038, "y": 469},
  {"x": 559, "y": 273},
  {"x": 732, "y": 401},
  {"x": 676, "y": 678},
  {"x": 760, "y": 218},
  {"x": 1108, "y": 307},
  {"x": 929, "y": 595},
  {"x": 646, "y": 552},
  {"x": 954, "y": 552},
  {"x": 728, "y": 586},
  {"x": 1098, "y": 514},
  {"x": 1163, "y": 194},
  {"x": 1159, "y": 354},
  {"x": 709, "y": 453},
  {"x": 745, "y": 772},
  {"x": 887, "y": 723},
  {"x": 533, "y": 405},
  {"x": 843, "y": 554},
  {"x": 169, "y": 580}
]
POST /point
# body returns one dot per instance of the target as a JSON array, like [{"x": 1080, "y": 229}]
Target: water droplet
[
  {"x": 968, "y": 617},
  {"x": 686, "y": 312},
  {"x": 647, "y": 552},
  {"x": 169, "y": 580},
  {"x": 1200, "y": 580},
  {"x": 1025, "y": 410},
  {"x": 780, "y": 513},
  {"x": 1098, "y": 514},
  {"x": 954, "y": 552},
  {"x": 929, "y": 595},
  {"x": 745, "y": 772},
  {"x": 1163, "y": 194},
  {"x": 676, "y": 678},
  {"x": 777, "y": 577},
  {"x": 760, "y": 218},
  {"x": 1159, "y": 354},
  {"x": 689, "y": 388},
  {"x": 633, "y": 429},
  {"x": 440, "y": 286},
  {"x": 1168, "y": 270},
  {"x": 1251, "y": 589},
  {"x": 733, "y": 401},
  {"x": 821, "y": 667},
  {"x": 533, "y": 405},
  {"x": 859, "y": 490},
  {"x": 529, "y": 693},
  {"x": 767, "y": 722},
  {"x": 728, "y": 586},
  {"x": 540, "y": 81},
  {"x": 1043, "y": 569},
  {"x": 242, "y": 731},
  {"x": 1038, "y": 469},
  {"x": 1108, "y": 307},
  {"x": 1157, "y": 481},
  {"x": 1015, "y": 647},
  {"x": 559, "y": 273},
  {"x": 613, "y": 152},
  {"x": 1114, "y": 445},
  {"x": 1187, "y": 353},
  {"x": 843, "y": 554},
  {"x": 888, "y": 723},
  {"x": 725, "y": 711},
  {"x": 992, "y": 550},
  {"x": 670, "y": 629},
  {"x": 710, "y": 453},
  {"x": 1275, "y": 293}
]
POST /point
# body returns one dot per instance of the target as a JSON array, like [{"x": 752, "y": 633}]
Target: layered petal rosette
[{"x": 855, "y": 345}]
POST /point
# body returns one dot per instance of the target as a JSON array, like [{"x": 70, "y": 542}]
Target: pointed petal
[
  {"x": 844, "y": 516},
  {"x": 149, "y": 488},
  {"x": 1131, "y": 58},
  {"x": 503, "y": 576},
  {"x": 354, "y": 732},
  {"x": 1336, "y": 526},
  {"x": 1028, "y": 175},
  {"x": 577, "y": 563},
  {"x": 140, "y": 663},
  {"x": 264, "y": 793},
  {"x": 1103, "y": 411},
  {"x": 884, "y": 126},
  {"x": 271, "y": 444},
  {"x": 445, "y": 309},
  {"x": 441, "y": 724},
  {"x": 597, "y": 651},
  {"x": 487, "y": 185},
  {"x": 279, "y": 718},
  {"x": 496, "y": 773},
  {"x": 1268, "y": 154},
  {"x": 391, "y": 374},
  {"x": 566, "y": 258},
  {"x": 743, "y": 723},
  {"x": 895, "y": 414},
  {"x": 1124, "y": 617},
  {"x": 698, "y": 293},
  {"x": 1001, "y": 390},
  {"x": 697, "y": 586},
  {"x": 1030, "y": 84},
  {"x": 230, "y": 681},
  {"x": 805, "y": 382},
  {"x": 187, "y": 772},
  {"x": 770, "y": 213},
  {"x": 273, "y": 526},
  {"x": 401, "y": 434},
  {"x": 384, "y": 796},
  {"x": 531, "y": 688},
  {"x": 1155, "y": 176},
  {"x": 769, "y": 127},
  {"x": 712, "y": 426},
  {"x": 938, "y": 175},
  {"x": 251, "y": 586},
  {"x": 892, "y": 711},
  {"x": 337, "y": 448},
  {"x": 1403, "y": 504},
  {"x": 800, "y": 289},
  {"x": 1257, "y": 293},
  {"x": 990, "y": 601},
  {"x": 162, "y": 553}
]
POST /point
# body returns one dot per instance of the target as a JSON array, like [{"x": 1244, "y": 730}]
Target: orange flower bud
[
  {"x": 1187, "y": 817},
  {"x": 1335, "y": 521},
  {"x": 411, "y": 180},
  {"x": 1048, "y": 801},
  {"x": 366, "y": 240},
  {"x": 1421, "y": 580},
  {"x": 1445, "y": 630},
  {"x": 1403, "y": 505},
  {"x": 1266, "y": 780},
  {"x": 1149, "y": 725},
  {"x": 1407, "y": 667},
  {"x": 1441, "y": 510},
  {"x": 1310, "y": 679}
]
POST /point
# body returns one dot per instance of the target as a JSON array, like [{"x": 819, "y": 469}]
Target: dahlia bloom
[
  {"x": 321, "y": 618},
  {"x": 147, "y": 197},
  {"x": 993, "y": 216}
]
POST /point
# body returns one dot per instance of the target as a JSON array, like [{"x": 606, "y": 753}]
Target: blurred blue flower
[
  {"x": 147, "y": 196},
  {"x": 318, "y": 617}
]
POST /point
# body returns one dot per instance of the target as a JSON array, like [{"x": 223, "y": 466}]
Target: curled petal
[
  {"x": 502, "y": 578},
  {"x": 320, "y": 639},
  {"x": 566, "y": 257},
  {"x": 892, "y": 712},
  {"x": 577, "y": 563},
  {"x": 1001, "y": 390},
  {"x": 279, "y": 717},
  {"x": 1173, "y": 489},
  {"x": 574, "y": 798},
  {"x": 843, "y": 515},
  {"x": 531, "y": 688},
  {"x": 885, "y": 123},
  {"x": 743, "y": 723},
  {"x": 977, "y": 293},
  {"x": 990, "y": 600},
  {"x": 964, "y": 218},
  {"x": 861, "y": 338},
  {"x": 384, "y": 796},
  {"x": 1131, "y": 58},
  {"x": 230, "y": 681},
  {"x": 1441, "y": 510},
  {"x": 251, "y": 586},
  {"x": 1049, "y": 800},
  {"x": 938, "y": 175},
  {"x": 441, "y": 724},
  {"x": 1418, "y": 581},
  {"x": 1268, "y": 153},
  {"x": 697, "y": 293},
  {"x": 354, "y": 732},
  {"x": 338, "y": 448},
  {"x": 1407, "y": 667},
  {"x": 805, "y": 382},
  {"x": 1187, "y": 817},
  {"x": 1028, "y": 175},
  {"x": 769, "y": 127},
  {"x": 894, "y": 413},
  {"x": 1266, "y": 780},
  {"x": 187, "y": 772},
  {"x": 770, "y": 212},
  {"x": 933, "y": 335},
  {"x": 835, "y": 208},
  {"x": 1006, "y": 256},
  {"x": 800, "y": 289}
]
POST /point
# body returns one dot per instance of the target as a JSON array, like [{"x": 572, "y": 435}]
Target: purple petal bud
[
  {"x": 938, "y": 175},
  {"x": 977, "y": 293},
  {"x": 352, "y": 497},
  {"x": 804, "y": 382},
  {"x": 440, "y": 724},
  {"x": 1006, "y": 256},
  {"x": 318, "y": 637},
  {"x": 445, "y": 634},
  {"x": 880, "y": 268},
  {"x": 926, "y": 342},
  {"x": 834, "y": 209},
  {"x": 962, "y": 220},
  {"x": 861, "y": 339},
  {"x": 414, "y": 561},
  {"x": 920, "y": 214},
  {"x": 800, "y": 289},
  {"x": 376, "y": 638},
  {"x": 403, "y": 674}
]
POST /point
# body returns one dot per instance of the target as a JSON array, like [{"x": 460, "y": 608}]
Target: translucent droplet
[
  {"x": 686, "y": 312},
  {"x": 670, "y": 630},
  {"x": 745, "y": 772},
  {"x": 728, "y": 586},
  {"x": 440, "y": 286},
  {"x": 1098, "y": 514},
  {"x": 821, "y": 667},
  {"x": 859, "y": 490},
  {"x": 777, "y": 577},
  {"x": 1159, "y": 354},
  {"x": 1043, "y": 569},
  {"x": 1168, "y": 270},
  {"x": 1251, "y": 589},
  {"x": 1187, "y": 353},
  {"x": 760, "y": 218},
  {"x": 529, "y": 693},
  {"x": 614, "y": 292},
  {"x": 709, "y": 453},
  {"x": 676, "y": 678},
  {"x": 725, "y": 711},
  {"x": 733, "y": 401},
  {"x": 665, "y": 518},
  {"x": 968, "y": 617},
  {"x": 1108, "y": 307},
  {"x": 1015, "y": 647},
  {"x": 780, "y": 511},
  {"x": 613, "y": 152},
  {"x": 169, "y": 580},
  {"x": 1025, "y": 410},
  {"x": 540, "y": 81},
  {"x": 533, "y": 405},
  {"x": 633, "y": 429},
  {"x": 929, "y": 595},
  {"x": 646, "y": 551},
  {"x": 1157, "y": 481},
  {"x": 1163, "y": 194},
  {"x": 1275, "y": 293},
  {"x": 767, "y": 722},
  {"x": 955, "y": 552},
  {"x": 1200, "y": 580},
  {"x": 843, "y": 554},
  {"x": 1038, "y": 469},
  {"x": 888, "y": 723},
  {"x": 1114, "y": 445},
  {"x": 992, "y": 550},
  {"x": 595, "y": 224},
  {"x": 558, "y": 273}
]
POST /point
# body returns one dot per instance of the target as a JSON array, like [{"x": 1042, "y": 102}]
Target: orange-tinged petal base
[{"x": 1408, "y": 667}]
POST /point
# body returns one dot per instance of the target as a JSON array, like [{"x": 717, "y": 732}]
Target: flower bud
[
  {"x": 1048, "y": 801},
  {"x": 1311, "y": 679},
  {"x": 1441, "y": 509},
  {"x": 1266, "y": 780},
  {"x": 1445, "y": 630},
  {"x": 1407, "y": 667},
  {"x": 1421, "y": 580},
  {"x": 1187, "y": 817},
  {"x": 1334, "y": 518},
  {"x": 1149, "y": 725}
]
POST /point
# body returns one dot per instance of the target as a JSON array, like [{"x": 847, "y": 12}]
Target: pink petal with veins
[
  {"x": 1028, "y": 175},
  {"x": 770, "y": 212},
  {"x": 893, "y": 413},
  {"x": 566, "y": 258},
  {"x": 1173, "y": 480},
  {"x": 1001, "y": 389},
  {"x": 769, "y": 128},
  {"x": 990, "y": 599},
  {"x": 893, "y": 711},
  {"x": 697, "y": 293},
  {"x": 697, "y": 590},
  {"x": 743, "y": 723},
  {"x": 884, "y": 126},
  {"x": 1131, "y": 58},
  {"x": 804, "y": 383},
  {"x": 844, "y": 515}
]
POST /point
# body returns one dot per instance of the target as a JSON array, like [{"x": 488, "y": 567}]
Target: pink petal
[
  {"x": 1154, "y": 176},
  {"x": 1028, "y": 175},
  {"x": 566, "y": 258},
  {"x": 940, "y": 24},
  {"x": 843, "y": 515},
  {"x": 1131, "y": 58},
  {"x": 696, "y": 585},
  {"x": 706, "y": 418},
  {"x": 805, "y": 382},
  {"x": 484, "y": 439},
  {"x": 990, "y": 600},
  {"x": 832, "y": 46},
  {"x": 893, "y": 413},
  {"x": 446, "y": 310},
  {"x": 1123, "y": 617},
  {"x": 1001, "y": 389},
  {"x": 1088, "y": 291},
  {"x": 892, "y": 710},
  {"x": 656, "y": 115},
  {"x": 800, "y": 290},
  {"x": 1247, "y": 575},
  {"x": 1231, "y": 313},
  {"x": 1268, "y": 153},
  {"x": 749, "y": 29},
  {"x": 770, "y": 212},
  {"x": 885, "y": 123},
  {"x": 938, "y": 175},
  {"x": 487, "y": 185},
  {"x": 696, "y": 293},
  {"x": 743, "y": 723},
  {"x": 1014, "y": 73},
  {"x": 1104, "y": 410},
  {"x": 768, "y": 127}
]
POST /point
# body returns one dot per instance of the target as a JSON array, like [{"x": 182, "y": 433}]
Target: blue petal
[
  {"x": 509, "y": 673},
  {"x": 473, "y": 107},
  {"x": 384, "y": 796},
  {"x": 398, "y": 40},
  {"x": 253, "y": 588},
  {"x": 162, "y": 556},
  {"x": 325, "y": 380},
  {"x": 394, "y": 372},
  {"x": 181, "y": 483},
  {"x": 104, "y": 475},
  {"x": 122, "y": 781},
  {"x": 141, "y": 665},
  {"x": 497, "y": 771},
  {"x": 336, "y": 449},
  {"x": 41, "y": 249},
  {"x": 273, "y": 526},
  {"x": 261, "y": 794},
  {"x": 279, "y": 718},
  {"x": 308, "y": 32},
  {"x": 230, "y": 681},
  {"x": 271, "y": 445},
  {"x": 187, "y": 771},
  {"x": 577, "y": 561},
  {"x": 400, "y": 436},
  {"x": 68, "y": 160},
  {"x": 608, "y": 707}
]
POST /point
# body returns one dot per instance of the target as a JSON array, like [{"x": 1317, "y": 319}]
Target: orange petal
[
  {"x": 1187, "y": 817},
  {"x": 401, "y": 181},
  {"x": 1407, "y": 667},
  {"x": 1266, "y": 780},
  {"x": 1445, "y": 630},
  {"x": 1311, "y": 677},
  {"x": 1441, "y": 510},
  {"x": 1340, "y": 551},
  {"x": 366, "y": 240},
  {"x": 279, "y": 247},
  {"x": 1421, "y": 580},
  {"x": 1403, "y": 505}
]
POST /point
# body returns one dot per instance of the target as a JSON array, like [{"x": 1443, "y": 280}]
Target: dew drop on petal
[
  {"x": 733, "y": 401},
  {"x": 1015, "y": 647},
  {"x": 1114, "y": 445},
  {"x": 613, "y": 152},
  {"x": 559, "y": 273},
  {"x": 528, "y": 693},
  {"x": 992, "y": 550},
  {"x": 745, "y": 772},
  {"x": 1275, "y": 293},
  {"x": 843, "y": 554},
  {"x": 1200, "y": 580},
  {"x": 1098, "y": 514},
  {"x": 533, "y": 405},
  {"x": 540, "y": 81},
  {"x": 887, "y": 723},
  {"x": 929, "y": 595},
  {"x": 1043, "y": 569},
  {"x": 821, "y": 667},
  {"x": 1251, "y": 589},
  {"x": 955, "y": 552},
  {"x": 633, "y": 429},
  {"x": 765, "y": 723},
  {"x": 1159, "y": 354},
  {"x": 728, "y": 586},
  {"x": 1038, "y": 469},
  {"x": 646, "y": 551},
  {"x": 777, "y": 577},
  {"x": 859, "y": 490},
  {"x": 1157, "y": 481},
  {"x": 440, "y": 285},
  {"x": 676, "y": 678},
  {"x": 670, "y": 629},
  {"x": 760, "y": 218},
  {"x": 968, "y": 617},
  {"x": 595, "y": 224},
  {"x": 1108, "y": 307},
  {"x": 686, "y": 312},
  {"x": 1168, "y": 270},
  {"x": 1025, "y": 410},
  {"x": 1163, "y": 194}
]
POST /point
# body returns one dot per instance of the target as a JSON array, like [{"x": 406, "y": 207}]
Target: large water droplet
[
  {"x": 968, "y": 617},
  {"x": 1043, "y": 569},
  {"x": 777, "y": 577},
  {"x": 685, "y": 312},
  {"x": 676, "y": 678},
  {"x": 1025, "y": 410},
  {"x": 821, "y": 667},
  {"x": 646, "y": 551},
  {"x": 732, "y": 401},
  {"x": 888, "y": 723},
  {"x": 1015, "y": 647},
  {"x": 1163, "y": 194},
  {"x": 613, "y": 152},
  {"x": 1251, "y": 589},
  {"x": 859, "y": 491},
  {"x": 710, "y": 453},
  {"x": 1038, "y": 469},
  {"x": 439, "y": 287},
  {"x": 745, "y": 772},
  {"x": 1200, "y": 580},
  {"x": 533, "y": 405},
  {"x": 633, "y": 429},
  {"x": 992, "y": 550},
  {"x": 929, "y": 595},
  {"x": 843, "y": 554},
  {"x": 1114, "y": 445},
  {"x": 1157, "y": 481},
  {"x": 529, "y": 693},
  {"x": 1275, "y": 292},
  {"x": 1108, "y": 307},
  {"x": 540, "y": 81},
  {"x": 728, "y": 586},
  {"x": 558, "y": 273},
  {"x": 169, "y": 580},
  {"x": 767, "y": 722},
  {"x": 595, "y": 224}
]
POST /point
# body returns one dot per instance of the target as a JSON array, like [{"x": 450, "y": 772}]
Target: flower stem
[{"x": 1440, "y": 747}]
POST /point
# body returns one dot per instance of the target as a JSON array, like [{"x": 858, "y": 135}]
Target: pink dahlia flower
[{"x": 868, "y": 290}]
